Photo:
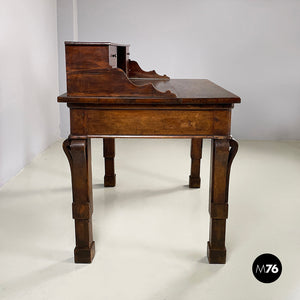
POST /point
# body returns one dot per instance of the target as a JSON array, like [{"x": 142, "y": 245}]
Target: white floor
[{"x": 151, "y": 230}]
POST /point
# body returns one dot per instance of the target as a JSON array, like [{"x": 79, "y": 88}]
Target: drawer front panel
[
  {"x": 150, "y": 122},
  {"x": 86, "y": 58}
]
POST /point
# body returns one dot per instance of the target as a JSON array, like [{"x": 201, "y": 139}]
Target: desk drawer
[
  {"x": 89, "y": 57},
  {"x": 139, "y": 122}
]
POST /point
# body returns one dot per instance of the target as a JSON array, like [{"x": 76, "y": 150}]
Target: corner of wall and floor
[
  {"x": 258, "y": 61},
  {"x": 29, "y": 114}
]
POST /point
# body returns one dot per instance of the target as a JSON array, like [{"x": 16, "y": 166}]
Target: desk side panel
[{"x": 150, "y": 122}]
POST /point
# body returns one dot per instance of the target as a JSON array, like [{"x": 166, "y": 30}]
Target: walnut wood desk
[{"x": 110, "y": 96}]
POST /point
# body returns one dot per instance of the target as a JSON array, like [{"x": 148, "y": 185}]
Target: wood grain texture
[
  {"x": 187, "y": 91},
  {"x": 222, "y": 154},
  {"x": 197, "y": 89},
  {"x": 150, "y": 122},
  {"x": 78, "y": 152},
  {"x": 105, "y": 102},
  {"x": 90, "y": 58},
  {"x": 109, "y": 164},
  {"x": 109, "y": 82},
  {"x": 135, "y": 71},
  {"x": 196, "y": 154}
]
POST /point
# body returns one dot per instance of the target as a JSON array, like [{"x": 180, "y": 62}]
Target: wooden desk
[{"x": 114, "y": 99}]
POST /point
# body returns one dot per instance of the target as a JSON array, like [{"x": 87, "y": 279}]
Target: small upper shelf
[{"x": 104, "y": 69}]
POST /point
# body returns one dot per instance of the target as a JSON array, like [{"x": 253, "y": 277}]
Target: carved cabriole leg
[
  {"x": 196, "y": 154},
  {"x": 222, "y": 155},
  {"x": 109, "y": 154},
  {"x": 78, "y": 152}
]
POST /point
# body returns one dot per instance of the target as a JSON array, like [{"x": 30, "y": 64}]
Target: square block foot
[
  {"x": 194, "y": 182},
  {"x": 84, "y": 255},
  {"x": 110, "y": 181},
  {"x": 216, "y": 256}
]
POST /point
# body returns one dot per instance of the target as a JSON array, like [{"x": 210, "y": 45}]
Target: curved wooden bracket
[
  {"x": 135, "y": 71},
  {"x": 232, "y": 152},
  {"x": 109, "y": 83},
  {"x": 67, "y": 150},
  {"x": 234, "y": 146}
]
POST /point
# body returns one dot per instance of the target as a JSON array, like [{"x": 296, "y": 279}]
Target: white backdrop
[
  {"x": 251, "y": 48},
  {"x": 29, "y": 114}
]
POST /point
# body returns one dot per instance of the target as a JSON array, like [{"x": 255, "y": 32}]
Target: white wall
[
  {"x": 67, "y": 31},
  {"x": 250, "y": 47},
  {"x": 29, "y": 115}
]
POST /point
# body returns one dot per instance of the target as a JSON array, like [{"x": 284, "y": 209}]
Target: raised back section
[
  {"x": 91, "y": 56},
  {"x": 104, "y": 69}
]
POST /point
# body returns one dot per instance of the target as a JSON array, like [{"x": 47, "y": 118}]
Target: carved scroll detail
[
  {"x": 232, "y": 152},
  {"x": 135, "y": 71},
  {"x": 67, "y": 150},
  {"x": 109, "y": 83}
]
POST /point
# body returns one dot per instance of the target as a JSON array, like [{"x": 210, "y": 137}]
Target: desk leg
[
  {"x": 78, "y": 152},
  {"x": 222, "y": 155},
  {"x": 196, "y": 154},
  {"x": 109, "y": 154}
]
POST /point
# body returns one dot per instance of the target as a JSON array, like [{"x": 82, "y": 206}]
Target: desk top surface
[
  {"x": 72, "y": 43},
  {"x": 187, "y": 91}
]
